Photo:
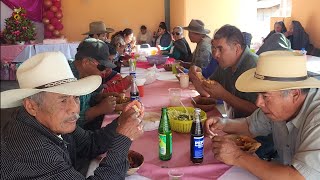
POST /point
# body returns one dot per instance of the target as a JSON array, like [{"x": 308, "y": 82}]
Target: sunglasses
[{"x": 175, "y": 33}]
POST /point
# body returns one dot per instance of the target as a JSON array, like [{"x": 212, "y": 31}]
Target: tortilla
[{"x": 245, "y": 143}]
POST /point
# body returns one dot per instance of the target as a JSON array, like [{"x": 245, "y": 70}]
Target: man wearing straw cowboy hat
[
  {"x": 98, "y": 30},
  {"x": 289, "y": 108},
  {"x": 42, "y": 141},
  {"x": 198, "y": 34}
]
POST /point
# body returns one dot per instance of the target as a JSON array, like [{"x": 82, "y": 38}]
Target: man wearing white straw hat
[
  {"x": 41, "y": 139},
  {"x": 289, "y": 108},
  {"x": 198, "y": 34}
]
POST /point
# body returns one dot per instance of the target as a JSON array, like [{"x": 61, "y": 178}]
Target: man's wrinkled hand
[{"x": 225, "y": 150}]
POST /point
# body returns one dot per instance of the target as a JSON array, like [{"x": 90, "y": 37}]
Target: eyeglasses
[{"x": 176, "y": 33}]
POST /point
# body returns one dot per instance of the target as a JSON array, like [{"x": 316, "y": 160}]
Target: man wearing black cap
[{"x": 92, "y": 59}]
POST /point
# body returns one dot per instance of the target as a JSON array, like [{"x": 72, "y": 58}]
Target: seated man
[
  {"x": 98, "y": 30},
  {"x": 234, "y": 58},
  {"x": 289, "y": 107},
  {"x": 42, "y": 139},
  {"x": 198, "y": 34},
  {"x": 88, "y": 61}
]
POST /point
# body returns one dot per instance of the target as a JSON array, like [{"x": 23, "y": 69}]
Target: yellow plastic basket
[{"x": 183, "y": 126}]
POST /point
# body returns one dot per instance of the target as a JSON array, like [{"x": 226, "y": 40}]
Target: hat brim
[
  {"x": 14, "y": 97},
  {"x": 248, "y": 83},
  {"x": 108, "y": 30},
  {"x": 205, "y": 31}
]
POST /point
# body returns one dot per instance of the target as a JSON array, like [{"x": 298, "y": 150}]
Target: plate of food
[
  {"x": 245, "y": 143},
  {"x": 151, "y": 121},
  {"x": 135, "y": 161}
]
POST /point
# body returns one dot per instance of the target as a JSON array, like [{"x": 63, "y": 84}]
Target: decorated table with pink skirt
[
  {"x": 13, "y": 55},
  {"x": 156, "y": 96}
]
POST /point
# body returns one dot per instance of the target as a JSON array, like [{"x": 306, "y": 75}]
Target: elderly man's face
[
  {"x": 193, "y": 36},
  {"x": 57, "y": 112},
  {"x": 225, "y": 54},
  {"x": 276, "y": 105}
]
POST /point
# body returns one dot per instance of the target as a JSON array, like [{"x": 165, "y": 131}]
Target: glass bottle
[
  {"x": 196, "y": 138},
  {"x": 134, "y": 92},
  {"x": 165, "y": 137}
]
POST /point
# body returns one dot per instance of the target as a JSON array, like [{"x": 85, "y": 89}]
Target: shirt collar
[
  {"x": 296, "y": 121},
  {"x": 25, "y": 117},
  {"x": 242, "y": 58}
]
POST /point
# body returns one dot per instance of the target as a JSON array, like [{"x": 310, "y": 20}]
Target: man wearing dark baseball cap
[{"x": 96, "y": 49}]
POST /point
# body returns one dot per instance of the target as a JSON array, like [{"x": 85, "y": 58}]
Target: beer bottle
[
  {"x": 134, "y": 92},
  {"x": 196, "y": 138},
  {"x": 165, "y": 137}
]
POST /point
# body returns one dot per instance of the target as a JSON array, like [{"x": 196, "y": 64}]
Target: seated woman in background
[
  {"x": 127, "y": 36},
  {"x": 180, "y": 49},
  {"x": 163, "y": 38},
  {"x": 144, "y": 36},
  {"x": 298, "y": 37},
  {"x": 279, "y": 27},
  {"x": 276, "y": 41}
]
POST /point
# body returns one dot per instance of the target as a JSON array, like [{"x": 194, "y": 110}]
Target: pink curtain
[{"x": 33, "y": 7}]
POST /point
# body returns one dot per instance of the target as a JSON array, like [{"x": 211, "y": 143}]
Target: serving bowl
[
  {"x": 135, "y": 161},
  {"x": 182, "y": 124}
]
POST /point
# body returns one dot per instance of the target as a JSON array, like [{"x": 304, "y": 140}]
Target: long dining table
[{"x": 156, "y": 96}]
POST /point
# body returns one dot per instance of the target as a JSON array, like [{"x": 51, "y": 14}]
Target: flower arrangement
[{"x": 19, "y": 28}]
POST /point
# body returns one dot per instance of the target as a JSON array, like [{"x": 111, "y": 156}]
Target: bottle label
[
  {"x": 198, "y": 147},
  {"x": 132, "y": 98},
  {"x": 133, "y": 74},
  {"x": 163, "y": 144}
]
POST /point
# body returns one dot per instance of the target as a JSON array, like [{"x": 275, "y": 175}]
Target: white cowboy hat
[
  {"x": 98, "y": 27},
  {"x": 197, "y": 26},
  {"x": 48, "y": 72},
  {"x": 277, "y": 70}
]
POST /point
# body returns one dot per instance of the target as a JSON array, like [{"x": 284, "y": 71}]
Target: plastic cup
[
  {"x": 175, "y": 174},
  {"x": 175, "y": 96},
  {"x": 184, "y": 80}
]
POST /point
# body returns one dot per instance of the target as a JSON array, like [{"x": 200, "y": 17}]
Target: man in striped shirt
[{"x": 42, "y": 141}]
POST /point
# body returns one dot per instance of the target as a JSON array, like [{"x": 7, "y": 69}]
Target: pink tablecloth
[
  {"x": 145, "y": 65},
  {"x": 156, "y": 96}
]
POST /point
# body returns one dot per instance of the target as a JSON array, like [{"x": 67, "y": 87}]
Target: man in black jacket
[{"x": 42, "y": 141}]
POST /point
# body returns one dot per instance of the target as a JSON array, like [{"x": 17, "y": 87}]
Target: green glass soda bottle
[{"x": 165, "y": 137}]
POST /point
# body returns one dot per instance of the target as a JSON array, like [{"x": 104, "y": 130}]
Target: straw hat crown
[
  {"x": 98, "y": 27},
  {"x": 275, "y": 71},
  {"x": 197, "y": 26}
]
